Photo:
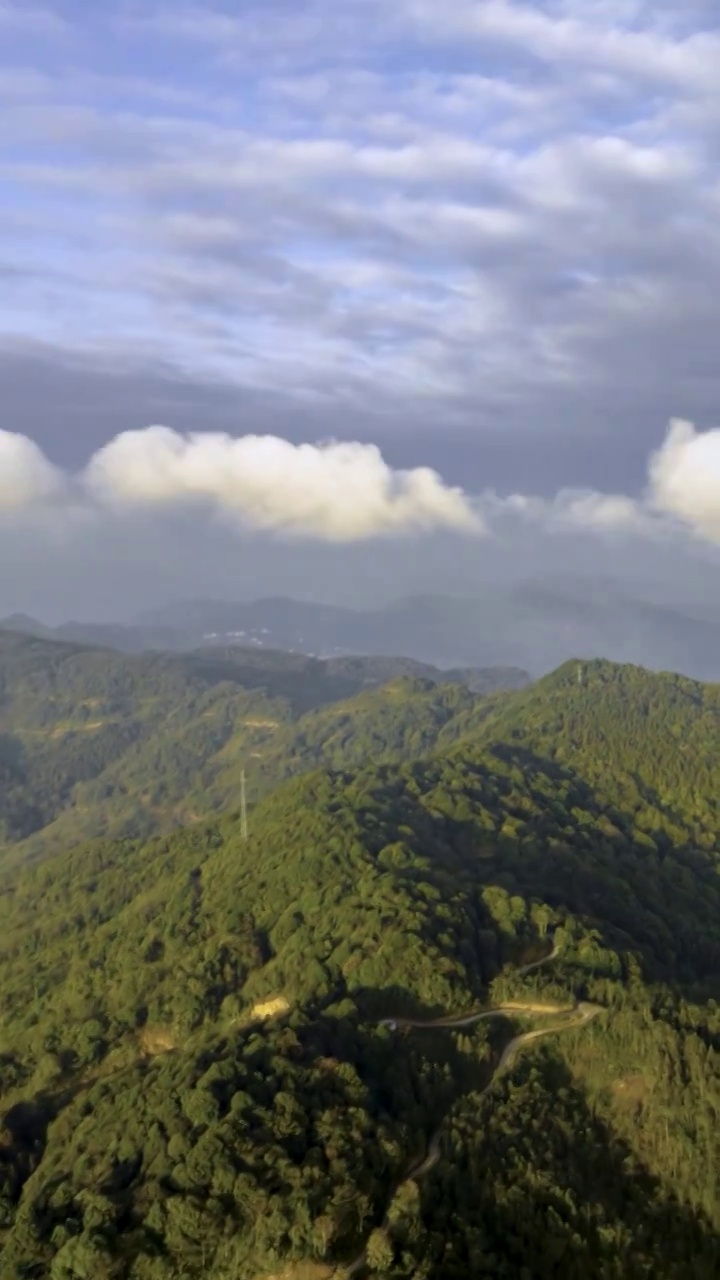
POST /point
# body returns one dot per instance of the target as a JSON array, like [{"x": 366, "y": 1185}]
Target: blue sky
[{"x": 483, "y": 237}]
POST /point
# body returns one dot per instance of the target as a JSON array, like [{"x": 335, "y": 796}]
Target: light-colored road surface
[{"x": 573, "y": 1016}]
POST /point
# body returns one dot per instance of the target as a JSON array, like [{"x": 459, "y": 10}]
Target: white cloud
[
  {"x": 579, "y": 35},
  {"x": 515, "y": 177},
  {"x": 569, "y": 511},
  {"x": 331, "y": 492},
  {"x": 683, "y": 491},
  {"x": 685, "y": 478},
  {"x": 26, "y": 476},
  {"x": 599, "y": 512},
  {"x": 344, "y": 492}
]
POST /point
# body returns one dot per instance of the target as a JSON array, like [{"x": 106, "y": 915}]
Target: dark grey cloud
[{"x": 71, "y": 405}]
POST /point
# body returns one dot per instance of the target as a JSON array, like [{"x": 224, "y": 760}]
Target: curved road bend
[{"x": 583, "y": 1013}]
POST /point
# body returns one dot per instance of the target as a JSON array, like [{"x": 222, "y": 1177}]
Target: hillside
[
  {"x": 94, "y": 743},
  {"x": 98, "y": 743},
  {"x": 646, "y": 743},
  {"x": 200, "y": 1085}
]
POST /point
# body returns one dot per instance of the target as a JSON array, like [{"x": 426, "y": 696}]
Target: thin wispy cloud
[{"x": 461, "y": 201}]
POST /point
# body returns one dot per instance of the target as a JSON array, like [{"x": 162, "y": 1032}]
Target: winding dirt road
[{"x": 573, "y": 1016}]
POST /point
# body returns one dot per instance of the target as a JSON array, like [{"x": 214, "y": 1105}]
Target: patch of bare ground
[
  {"x": 61, "y": 730},
  {"x": 301, "y": 1271},
  {"x": 262, "y": 1011},
  {"x": 268, "y": 1009},
  {"x": 156, "y": 1040},
  {"x": 534, "y": 1006},
  {"x": 89, "y": 727}
]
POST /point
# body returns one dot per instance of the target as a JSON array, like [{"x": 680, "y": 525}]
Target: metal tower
[{"x": 243, "y": 809}]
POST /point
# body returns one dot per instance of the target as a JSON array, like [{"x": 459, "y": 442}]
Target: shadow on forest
[
  {"x": 24, "y": 1136},
  {"x": 548, "y": 1189},
  {"x": 532, "y": 1190},
  {"x": 661, "y": 901},
  {"x": 532, "y": 1182},
  {"x": 585, "y": 795},
  {"x": 673, "y": 909}
]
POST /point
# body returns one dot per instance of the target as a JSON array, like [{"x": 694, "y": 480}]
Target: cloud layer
[
  {"x": 346, "y": 492},
  {"x": 495, "y": 221}
]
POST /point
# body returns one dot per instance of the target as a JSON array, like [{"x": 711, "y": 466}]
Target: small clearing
[
  {"x": 62, "y": 731},
  {"x": 157, "y": 1040},
  {"x": 269, "y": 1008},
  {"x": 302, "y": 1271}
]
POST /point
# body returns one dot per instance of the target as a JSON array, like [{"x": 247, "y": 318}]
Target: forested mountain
[
  {"x": 97, "y": 743},
  {"x": 199, "y": 1078},
  {"x": 646, "y": 743},
  {"x": 94, "y": 743}
]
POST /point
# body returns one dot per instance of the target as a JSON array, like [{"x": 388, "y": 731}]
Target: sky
[{"x": 346, "y": 299}]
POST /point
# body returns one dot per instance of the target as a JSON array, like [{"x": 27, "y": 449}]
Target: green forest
[
  {"x": 95, "y": 743},
  {"x": 209, "y": 1063}
]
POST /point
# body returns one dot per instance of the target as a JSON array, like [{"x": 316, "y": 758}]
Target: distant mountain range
[
  {"x": 126, "y": 639},
  {"x": 533, "y": 627}
]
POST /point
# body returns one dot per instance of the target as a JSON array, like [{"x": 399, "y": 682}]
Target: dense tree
[
  {"x": 196, "y": 1076},
  {"x": 95, "y": 743}
]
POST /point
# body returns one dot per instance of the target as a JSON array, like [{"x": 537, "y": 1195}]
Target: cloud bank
[
  {"x": 495, "y": 223},
  {"x": 26, "y": 476},
  {"x": 346, "y": 492},
  {"x": 336, "y": 492}
]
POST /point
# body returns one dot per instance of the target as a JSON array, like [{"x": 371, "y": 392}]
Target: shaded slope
[{"x": 647, "y": 742}]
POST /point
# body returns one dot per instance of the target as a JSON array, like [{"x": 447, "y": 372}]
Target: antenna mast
[{"x": 243, "y": 809}]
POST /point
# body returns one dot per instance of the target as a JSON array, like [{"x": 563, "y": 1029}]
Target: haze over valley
[{"x": 534, "y": 625}]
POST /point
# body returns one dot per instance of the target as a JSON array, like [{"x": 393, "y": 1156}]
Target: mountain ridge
[
  {"x": 535, "y": 626},
  {"x": 201, "y": 1081},
  {"x": 96, "y": 742}
]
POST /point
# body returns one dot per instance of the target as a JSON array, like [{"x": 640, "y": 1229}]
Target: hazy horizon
[{"x": 700, "y": 600}]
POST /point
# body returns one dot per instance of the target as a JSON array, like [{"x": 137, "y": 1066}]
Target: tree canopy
[{"x": 197, "y": 1074}]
